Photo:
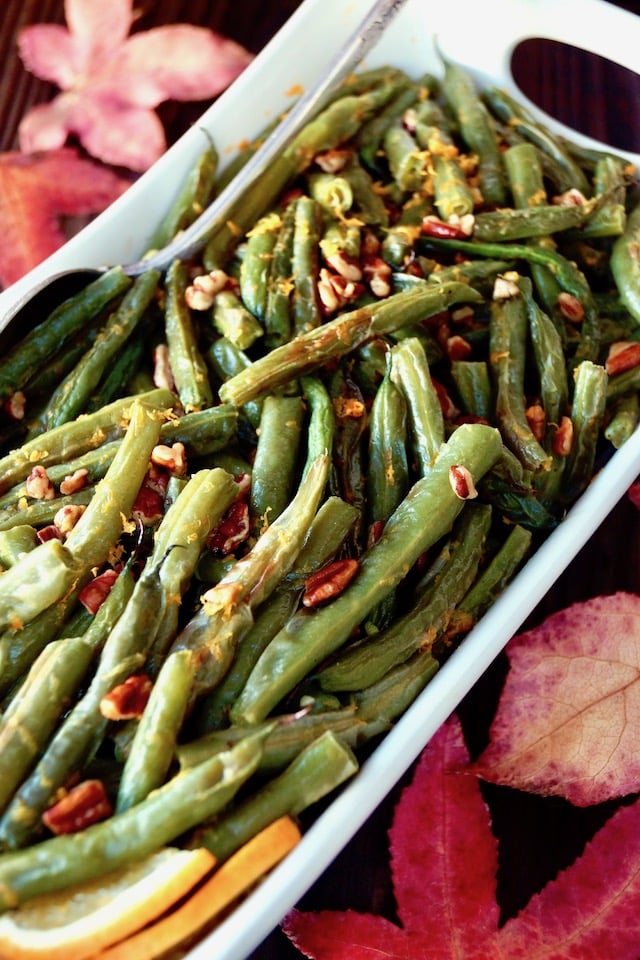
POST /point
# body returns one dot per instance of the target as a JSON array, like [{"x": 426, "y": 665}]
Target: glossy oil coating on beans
[{"x": 275, "y": 487}]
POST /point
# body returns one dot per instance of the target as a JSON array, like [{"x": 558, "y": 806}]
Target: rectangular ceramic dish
[{"x": 480, "y": 37}]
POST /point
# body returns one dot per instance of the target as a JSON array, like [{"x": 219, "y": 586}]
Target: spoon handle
[{"x": 348, "y": 56}]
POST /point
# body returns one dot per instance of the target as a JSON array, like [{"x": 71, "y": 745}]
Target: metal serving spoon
[{"x": 48, "y": 293}]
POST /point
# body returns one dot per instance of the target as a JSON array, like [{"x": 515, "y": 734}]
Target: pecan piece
[
  {"x": 127, "y": 700},
  {"x": 232, "y": 530},
  {"x": 85, "y": 804},
  {"x": 75, "y": 481},
  {"x": 329, "y": 582},
  {"x": 622, "y": 356},
  {"x": 38, "y": 484},
  {"x": 94, "y": 593},
  {"x": 462, "y": 483}
]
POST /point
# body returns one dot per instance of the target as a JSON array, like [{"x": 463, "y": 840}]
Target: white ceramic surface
[{"x": 119, "y": 235}]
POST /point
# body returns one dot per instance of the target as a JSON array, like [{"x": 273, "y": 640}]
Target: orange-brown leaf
[{"x": 568, "y": 720}]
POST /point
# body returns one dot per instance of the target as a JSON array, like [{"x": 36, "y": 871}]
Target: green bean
[
  {"x": 71, "y": 396},
  {"x": 388, "y": 469},
  {"x": 76, "y": 437},
  {"x": 191, "y": 200},
  {"x": 331, "y": 191},
  {"x": 370, "y": 137},
  {"x": 40, "y": 513},
  {"x": 233, "y": 321},
  {"x": 521, "y": 120},
  {"x": 256, "y": 264},
  {"x": 100, "y": 526},
  {"x": 203, "y": 431},
  {"x": 399, "y": 240},
  {"x": 125, "y": 652},
  {"x": 277, "y": 315},
  {"x": 334, "y": 125},
  {"x": 322, "y": 420},
  {"x": 329, "y": 529},
  {"x": 275, "y": 461},
  {"x": 225, "y": 615},
  {"x": 145, "y": 770},
  {"x": 179, "y": 540},
  {"x": 473, "y": 384},
  {"x": 305, "y": 302},
  {"x": 408, "y": 164},
  {"x": 368, "y": 202},
  {"x": 308, "y": 638},
  {"x": 44, "y": 696},
  {"x": 121, "y": 377},
  {"x": 21, "y": 645},
  {"x": 587, "y": 414},
  {"x": 526, "y": 181},
  {"x": 187, "y": 365},
  {"x": 23, "y": 360},
  {"x": 15, "y": 542},
  {"x": 625, "y": 264},
  {"x": 317, "y": 770},
  {"x": 623, "y": 419},
  {"x": 453, "y": 196},
  {"x": 410, "y": 372},
  {"x": 286, "y": 737},
  {"x": 609, "y": 182},
  {"x": 495, "y": 576},
  {"x": 337, "y": 337},
  {"x": 477, "y": 131},
  {"x": 388, "y": 699},
  {"x": 539, "y": 221},
  {"x": 228, "y": 361},
  {"x": 508, "y": 332},
  {"x": 182, "y": 803},
  {"x": 366, "y": 662}
]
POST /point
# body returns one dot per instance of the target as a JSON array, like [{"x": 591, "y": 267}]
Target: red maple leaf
[
  {"x": 36, "y": 192},
  {"x": 444, "y": 861},
  {"x": 111, "y": 81},
  {"x": 568, "y": 718}
]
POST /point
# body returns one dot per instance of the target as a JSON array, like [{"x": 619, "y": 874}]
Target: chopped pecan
[
  {"x": 38, "y": 484},
  {"x": 15, "y": 405},
  {"x": 171, "y": 458},
  {"x": 127, "y": 700},
  {"x": 149, "y": 505},
  {"x": 66, "y": 517},
  {"x": 345, "y": 265},
  {"x": 162, "y": 375},
  {"x": 537, "y": 420},
  {"x": 83, "y": 805},
  {"x": 377, "y": 274},
  {"x": 622, "y": 356},
  {"x": 570, "y": 307},
  {"x": 94, "y": 593},
  {"x": 74, "y": 481},
  {"x": 435, "y": 227},
  {"x": 563, "y": 437},
  {"x": 332, "y": 161},
  {"x": 201, "y": 292},
  {"x": 50, "y": 532},
  {"x": 462, "y": 483},
  {"x": 458, "y": 348},
  {"x": 232, "y": 530},
  {"x": 329, "y": 582}
]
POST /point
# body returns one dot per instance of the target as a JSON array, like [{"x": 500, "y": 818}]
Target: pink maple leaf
[
  {"x": 36, "y": 192},
  {"x": 568, "y": 717},
  {"x": 112, "y": 82},
  {"x": 444, "y": 861}
]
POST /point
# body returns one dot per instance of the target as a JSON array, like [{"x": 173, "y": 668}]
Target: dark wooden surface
[{"x": 538, "y": 836}]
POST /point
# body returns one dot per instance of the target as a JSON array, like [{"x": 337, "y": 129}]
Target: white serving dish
[{"x": 480, "y": 36}]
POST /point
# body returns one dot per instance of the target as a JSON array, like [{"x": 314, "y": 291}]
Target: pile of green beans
[{"x": 309, "y": 460}]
